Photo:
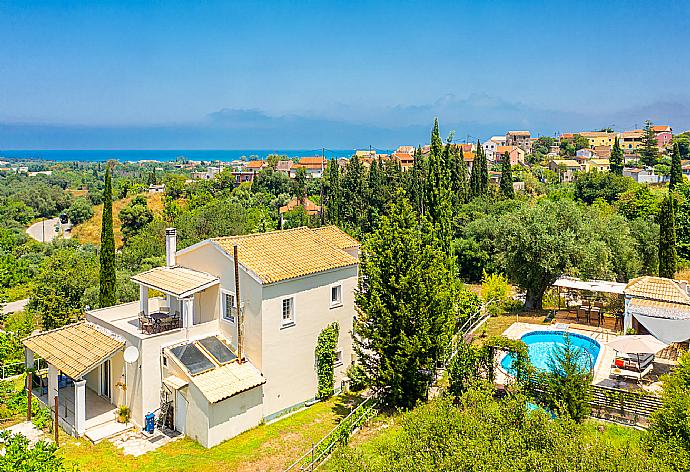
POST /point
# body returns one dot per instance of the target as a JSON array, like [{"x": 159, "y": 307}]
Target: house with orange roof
[
  {"x": 516, "y": 154},
  {"x": 229, "y": 344},
  {"x": 315, "y": 166},
  {"x": 664, "y": 136},
  {"x": 255, "y": 165},
  {"x": 405, "y": 159}
]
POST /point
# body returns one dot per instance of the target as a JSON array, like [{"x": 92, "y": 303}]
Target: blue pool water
[{"x": 540, "y": 345}]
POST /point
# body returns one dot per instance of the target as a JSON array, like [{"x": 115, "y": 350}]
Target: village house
[
  {"x": 520, "y": 139},
  {"x": 516, "y": 154},
  {"x": 644, "y": 176},
  {"x": 227, "y": 342},
  {"x": 599, "y": 165},
  {"x": 285, "y": 167},
  {"x": 313, "y": 165},
  {"x": 631, "y": 140},
  {"x": 405, "y": 159},
  {"x": 565, "y": 168},
  {"x": 490, "y": 146},
  {"x": 599, "y": 138},
  {"x": 664, "y": 136},
  {"x": 255, "y": 166},
  {"x": 208, "y": 174}
]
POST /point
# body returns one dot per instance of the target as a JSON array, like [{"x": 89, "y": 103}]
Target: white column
[
  {"x": 28, "y": 358},
  {"x": 144, "y": 299},
  {"x": 52, "y": 385},
  {"x": 188, "y": 312},
  {"x": 80, "y": 406},
  {"x": 627, "y": 316}
]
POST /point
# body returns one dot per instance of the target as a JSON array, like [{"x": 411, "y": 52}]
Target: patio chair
[
  {"x": 618, "y": 326},
  {"x": 145, "y": 324},
  {"x": 598, "y": 310}
]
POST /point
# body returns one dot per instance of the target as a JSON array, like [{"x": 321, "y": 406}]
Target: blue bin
[{"x": 149, "y": 423}]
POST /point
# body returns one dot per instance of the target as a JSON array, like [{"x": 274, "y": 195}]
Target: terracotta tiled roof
[
  {"x": 286, "y": 254},
  {"x": 177, "y": 281},
  {"x": 519, "y": 133},
  {"x": 661, "y": 129},
  {"x": 336, "y": 237},
  {"x": 284, "y": 165},
  {"x": 659, "y": 289},
  {"x": 75, "y": 349},
  {"x": 228, "y": 380},
  {"x": 312, "y": 163},
  {"x": 255, "y": 164},
  {"x": 310, "y": 207}
]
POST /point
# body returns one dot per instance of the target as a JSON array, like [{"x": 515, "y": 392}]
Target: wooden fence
[{"x": 623, "y": 406}]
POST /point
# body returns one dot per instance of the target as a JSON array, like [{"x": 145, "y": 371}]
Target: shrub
[
  {"x": 325, "y": 359},
  {"x": 20, "y": 457},
  {"x": 42, "y": 419},
  {"x": 357, "y": 376},
  {"x": 567, "y": 387}
]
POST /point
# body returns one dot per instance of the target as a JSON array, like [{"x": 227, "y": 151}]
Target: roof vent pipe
[{"x": 170, "y": 246}]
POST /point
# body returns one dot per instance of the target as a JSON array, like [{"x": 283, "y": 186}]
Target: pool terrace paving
[{"x": 602, "y": 368}]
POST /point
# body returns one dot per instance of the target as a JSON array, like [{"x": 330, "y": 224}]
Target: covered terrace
[{"x": 78, "y": 375}]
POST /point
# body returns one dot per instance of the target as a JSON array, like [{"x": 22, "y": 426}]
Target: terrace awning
[
  {"x": 75, "y": 349},
  {"x": 602, "y": 286},
  {"x": 177, "y": 281}
]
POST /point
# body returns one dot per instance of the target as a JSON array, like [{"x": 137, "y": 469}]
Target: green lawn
[{"x": 267, "y": 447}]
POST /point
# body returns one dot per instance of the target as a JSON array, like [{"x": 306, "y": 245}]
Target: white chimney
[{"x": 170, "y": 246}]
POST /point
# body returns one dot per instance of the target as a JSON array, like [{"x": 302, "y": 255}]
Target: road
[
  {"x": 12, "y": 307},
  {"x": 37, "y": 232}
]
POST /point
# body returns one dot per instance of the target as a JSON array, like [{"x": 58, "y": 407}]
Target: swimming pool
[{"x": 540, "y": 345}]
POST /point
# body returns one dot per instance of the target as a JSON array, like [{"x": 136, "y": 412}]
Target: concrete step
[{"x": 106, "y": 431}]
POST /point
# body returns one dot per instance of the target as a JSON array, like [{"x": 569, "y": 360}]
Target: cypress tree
[
  {"x": 416, "y": 182},
  {"x": 107, "y": 278},
  {"x": 438, "y": 197},
  {"x": 405, "y": 306},
  {"x": 332, "y": 192},
  {"x": 436, "y": 142},
  {"x": 458, "y": 176},
  {"x": 479, "y": 177},
  {"x": 484, "y": 170},
  {"x": 676, "y": 169},
  {"x": 507, "y": 177},
  {"x": 617, "y": 161},
  {"x": 668, "y": 258}
]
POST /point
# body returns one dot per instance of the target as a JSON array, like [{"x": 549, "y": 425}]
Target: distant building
[
  {"x": 405, "y": 150},
  {"x": 285, "y": 167},
  {"x": 313, "y": 165},
  {"x": 255, "y": 165},
  {"x": 664, "y": 136},
  {"x": 156, "y": 188},
  {"x": 405, "y": 159},
  {"x": 599, "y": 138},
  {"x": 210, "y": 173},
  {"x": 565, "y": 168},
  {"x": 600, "y": 165},
  {"x": 631, "y": 140},
  {"x": 516, "y": 154},
  {"x": 520, "y": 139},
  {"x": 603, "y": 152},
  {"x": 490, "y": 146},
  {"x": 644, "y": 176}
]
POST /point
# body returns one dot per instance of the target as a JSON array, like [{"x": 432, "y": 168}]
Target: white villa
[{"x": 193, "y": 359}]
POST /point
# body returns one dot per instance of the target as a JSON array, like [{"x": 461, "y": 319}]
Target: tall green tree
[
  {"x": 300, "y": 185},
  {"x": 404, "y": 304},
  {"x": 107, "y": 279},
  {"x": 479, "y": 177},
  {"x": 354, "y": 186},
  {"x": 507, "y": 177},
  {"x": 668, "y": 259},
  {"x": 332, "y": 192},
  {"x": 676, "y": 168},
  {"x": 459, "y": 176},
  {"x": 649, "y": 152},
  {"x": 617, "y": 160},
  {"x": 416, "y": 181},
  {"x": 439, "y": 201}
]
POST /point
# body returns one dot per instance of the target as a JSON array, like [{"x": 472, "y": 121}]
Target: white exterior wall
[
  {"x": 144, "y": 377},
  {"x": 288, "y": 353}
]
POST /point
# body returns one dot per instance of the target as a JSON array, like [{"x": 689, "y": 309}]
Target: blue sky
[{"x": 204, "y": 74}]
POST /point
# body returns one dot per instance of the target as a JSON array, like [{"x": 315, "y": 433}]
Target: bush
[
  {"x": 567, "y": 387},
  {"x": 357, "y": 376},
  {"x": 496, "y": 292},
  {"x": 79, "y": 211},
  {"x": 22, "y": 458},
  {"x": 42, "y": 418}
]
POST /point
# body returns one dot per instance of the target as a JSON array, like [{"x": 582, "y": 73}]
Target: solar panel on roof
[
  {"x": 220, "y": 352},
  {"x": 192, "y": 358}
]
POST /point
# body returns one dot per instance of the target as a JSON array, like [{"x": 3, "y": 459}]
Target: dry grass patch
[{"x": 90, "y": 230}]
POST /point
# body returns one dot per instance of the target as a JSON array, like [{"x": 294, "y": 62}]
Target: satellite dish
[{"x": 131, "y": 354}]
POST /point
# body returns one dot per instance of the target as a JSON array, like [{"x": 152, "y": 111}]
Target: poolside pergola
[{"x": 592, "y": 286}]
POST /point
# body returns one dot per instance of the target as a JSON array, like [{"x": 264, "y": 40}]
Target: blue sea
[{"x": 163, "y": 155}]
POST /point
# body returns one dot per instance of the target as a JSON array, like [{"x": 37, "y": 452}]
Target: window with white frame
[
  {"x": 338, "y": 358},
  {"x": 229, "y": 306},
  {"x": 336, "y": 295},
  {"x": 288, "y": 311}
]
